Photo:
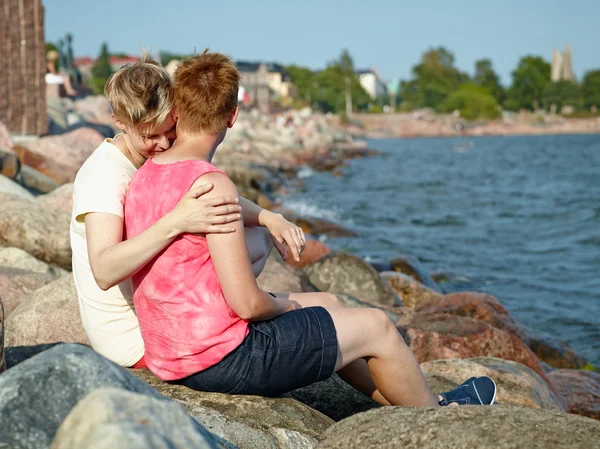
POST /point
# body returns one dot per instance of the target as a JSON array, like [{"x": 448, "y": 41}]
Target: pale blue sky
[{"x": 387, "y": 35}]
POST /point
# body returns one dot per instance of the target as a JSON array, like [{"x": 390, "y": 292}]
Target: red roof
[{"x": 84, "y": 61}]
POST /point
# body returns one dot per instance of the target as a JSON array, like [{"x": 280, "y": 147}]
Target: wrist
[
  {"x": 266, "y": 218},
  {"x": 170, "y": 226}
]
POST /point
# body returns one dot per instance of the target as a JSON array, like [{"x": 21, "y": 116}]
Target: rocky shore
[
  {"x": 56, "y": 392},
  {"x": 426, "y": 123}
]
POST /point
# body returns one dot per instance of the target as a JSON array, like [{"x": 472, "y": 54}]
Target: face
[{"x": 154, "y": 140}]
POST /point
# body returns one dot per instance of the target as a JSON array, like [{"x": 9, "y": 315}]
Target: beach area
[{"x": 298, "y": 163}]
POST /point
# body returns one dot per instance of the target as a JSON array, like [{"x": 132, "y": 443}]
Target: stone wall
[{"x": 22, "y": 56}]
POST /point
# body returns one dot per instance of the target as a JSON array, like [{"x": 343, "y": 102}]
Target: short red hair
[{"x": 206, "y": 92}]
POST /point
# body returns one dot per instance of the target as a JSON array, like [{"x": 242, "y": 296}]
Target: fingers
[
  {"x": 295, "y": 244},
  {"x": 281, "y": 248},
  {"x": 199, "y": 191},
  {"x": 221, "y": 200},
  {"x": 224, "y": 219},
  {"x": 223, "y": 210},
  {"x": 220, "y": 229}
]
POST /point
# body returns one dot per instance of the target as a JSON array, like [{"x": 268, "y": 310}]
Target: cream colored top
[{"x": 108, "y": 316}]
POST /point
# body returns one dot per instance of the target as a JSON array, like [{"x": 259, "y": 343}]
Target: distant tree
[
  {"x": 530, "y": 79},
  {"x": 563, "y": 93},
  {"x": 433, "y": 79},
  {"x": 52, "y": 47},
  {"x": 473, "y": 102},
  {"x": 166, "y": 57},
  {"x": 328, "y": 89},
  {"x": 486, "y": 77},
  {"x": 591, "y": 89},
  {"x": 101, "y": 70}
]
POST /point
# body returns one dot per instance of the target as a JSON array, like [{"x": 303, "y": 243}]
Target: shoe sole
[{"x": 495, "y": 391}]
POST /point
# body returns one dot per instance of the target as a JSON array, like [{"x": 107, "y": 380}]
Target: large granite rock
[
  {"x": 9, "y": 186},
  {"x": 247, "y": 421},
  {"x": 441, "y": 336},
  {"x": 516, "y": 384},
  {"x": 11, "y": 257},
  {"x": 10, "y": 165},
  {"x": 485, "y": 307},
  {"x": 413, "y": 268},
  {"x": 60, "y": 198},
  {"x": 279, "y": 277},
  {"x": 313, "y": 251},
  {"x": 38, "y": 394},
  {"x": 345, "y": 273},
  {"x": 60, "y": 156},
  {"x": 21, "y": 274},
  {"x": 111, "y": 418},
  {"x": 412, "y": 292},
  {"x": 18, "y": 284},
  {"x": 462, "y": 428},
  {"x": 43, "y": 233},
  {"x": 50, "y": 314},
  {"x": 580, "y": 390},
  {"x": 36, "y": 181}
]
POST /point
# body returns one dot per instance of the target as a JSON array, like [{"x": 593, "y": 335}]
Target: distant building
[
  {"x": 85, "y": 63},
  {"x": 562, "y": 66},
  {"x": 265, "y": 82},
  {"x": 372, "y": 83}
]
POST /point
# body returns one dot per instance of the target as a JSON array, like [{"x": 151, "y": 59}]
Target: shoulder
[
  {"x": 222, "y": 185},
  {"x": 106, "y": 165}
]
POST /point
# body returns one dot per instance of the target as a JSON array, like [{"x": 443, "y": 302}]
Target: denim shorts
[{"x": 290, "y": 351}]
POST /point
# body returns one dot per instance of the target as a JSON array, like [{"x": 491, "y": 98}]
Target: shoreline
[{"x": 424, "y": 124}]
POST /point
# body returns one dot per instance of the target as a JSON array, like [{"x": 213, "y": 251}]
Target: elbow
[
  {"x": 252, "y": 310},
  {"x": 101, "y": 280},
  {"x": 102, "y": 284}
]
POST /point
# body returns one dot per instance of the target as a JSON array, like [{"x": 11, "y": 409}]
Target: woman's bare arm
[{"x": 113, "y": 260}]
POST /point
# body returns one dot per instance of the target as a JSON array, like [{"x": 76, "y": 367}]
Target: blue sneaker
[{"x": 475, "y": 391}]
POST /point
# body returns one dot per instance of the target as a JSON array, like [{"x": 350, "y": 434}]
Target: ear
[
  {"x": 233, "y": 117},
  {"x": 119, "y": 123},
  {"x": 175, "y": 114}
]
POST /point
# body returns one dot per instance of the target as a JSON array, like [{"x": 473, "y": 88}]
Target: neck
[
  {"x": 124, "y": 145},
  {"x": 192, "y": 146}
]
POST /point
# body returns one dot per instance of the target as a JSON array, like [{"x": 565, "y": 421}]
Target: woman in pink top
[{"x": 205, "y": 322}]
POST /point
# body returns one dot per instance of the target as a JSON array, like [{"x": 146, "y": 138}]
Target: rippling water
[{"x": 518, "y": 217}]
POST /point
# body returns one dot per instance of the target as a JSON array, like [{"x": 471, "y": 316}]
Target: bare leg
[
  {"x": 259, "y": 244},
  {"x": 369, "y": 334},
  {"x": 356, "y": 373}
]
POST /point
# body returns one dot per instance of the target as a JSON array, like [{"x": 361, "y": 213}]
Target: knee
[
  {"x": 331, "y": 300},
  {"x": 385, "y": 325}
]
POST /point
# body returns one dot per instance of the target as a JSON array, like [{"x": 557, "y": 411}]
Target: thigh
[
  {"x": 322, "y": 299},
  {"x": 358, "y": 332}
]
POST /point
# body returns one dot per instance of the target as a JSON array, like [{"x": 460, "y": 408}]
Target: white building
[{"x": 372, "y": 83}]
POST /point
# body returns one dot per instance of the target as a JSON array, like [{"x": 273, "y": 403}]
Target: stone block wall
[{"x": 23, "y": 66}]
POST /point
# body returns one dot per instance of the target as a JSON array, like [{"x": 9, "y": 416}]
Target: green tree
[
  {"x": 563, "y": 93},
  {"x": 486, "y": 77},
  {"x": 473, "y": 102},
  {"x": 433, "y": 79},
  {"x": 530, "y": 79},
  {"x": 329, "y": 88},
  {"x": 591, "y": 89},
  {"x": 101, "y": 70}
]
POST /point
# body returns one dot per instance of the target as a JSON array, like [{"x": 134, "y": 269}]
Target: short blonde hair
[
  {"x": 206, "y": 92},
  {"x": 140, "y": 94}
]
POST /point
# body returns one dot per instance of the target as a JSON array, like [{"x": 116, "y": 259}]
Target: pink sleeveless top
[{"x": 186, "y": 324}]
